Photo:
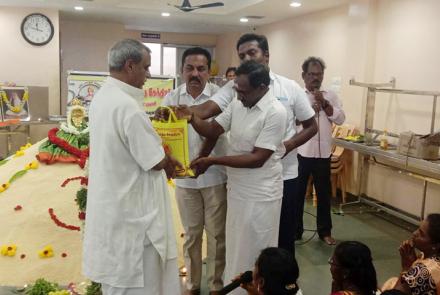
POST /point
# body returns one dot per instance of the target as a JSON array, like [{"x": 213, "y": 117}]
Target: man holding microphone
[{"x": 314, "y": 156}]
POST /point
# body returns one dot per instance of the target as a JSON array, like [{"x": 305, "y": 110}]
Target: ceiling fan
[{"x": 186, "y": 6}]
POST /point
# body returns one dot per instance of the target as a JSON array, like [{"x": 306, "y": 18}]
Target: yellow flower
[
  {"x": 18, "y": 154},
  {"x": 171, "y": 183},
  {"x": 26, "y": 95},
  {"x": 28, "y": 145},
  {"x": 32, "y": 165},
  {"x": 4, "y": 187},
  {"x": 16, "y": 109},
  {"x": 8, "y": 250},
  {"x": 47, "y": 252}
]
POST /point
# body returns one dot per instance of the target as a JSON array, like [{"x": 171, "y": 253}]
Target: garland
[
  {"x": 72, "y": 130},
  {"x": 15, "y": 109},
  {"x": 60, "y": 223},
  {"x": 84, "y": 180},
  {"x": 81, "y": 154},
  {"x": 18, "y": 174}
]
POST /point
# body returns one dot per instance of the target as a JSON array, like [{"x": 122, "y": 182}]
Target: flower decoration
[
  {"x": 46, "y": 252},
  {"x": 18, "y": 154},
  {"x": 8, "y": 250},
  {"x": 60, "y": 223},
  {"x": 18, "y": 208},
  {"x": 4, "y": 186},
  {"x": 82, "y": 215},
  {"x": 32, "y": 165}
]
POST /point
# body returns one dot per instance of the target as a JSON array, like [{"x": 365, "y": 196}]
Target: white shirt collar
[
  {"x": 206, "y": 91},
  {"x": 136, "y": 93},
  {"x": 272, "y": 75},
  {"x": 265, "y": 102}
]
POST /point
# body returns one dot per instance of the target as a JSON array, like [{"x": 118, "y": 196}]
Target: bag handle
[{"x": 172, "y": 115}]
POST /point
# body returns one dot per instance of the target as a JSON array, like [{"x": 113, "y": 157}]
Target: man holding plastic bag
[
  {"x": 257, "y": 124},
  {"x": 201, "y": 200}
]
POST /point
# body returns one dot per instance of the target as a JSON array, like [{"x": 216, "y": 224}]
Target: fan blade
[{"x": 215, "y": 4}]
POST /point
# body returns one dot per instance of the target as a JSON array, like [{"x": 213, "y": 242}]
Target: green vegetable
[
  {"x": 94, "y": 289},
  {"x": 42, "y": 287},
  {"x": 81, "y": 199},
  {"x": 17, "y": 175}
]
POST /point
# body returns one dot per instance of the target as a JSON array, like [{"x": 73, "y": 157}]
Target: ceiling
[{"x": 146, "y": 14}]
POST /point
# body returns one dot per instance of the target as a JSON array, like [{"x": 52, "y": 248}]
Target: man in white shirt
[
  {"x": 257, "y": 124},
  {"x": 292, "y": 96},
  {"x": 315, "y": 155},
  {"x": 201, "y": 200},
  {"x": 129, "y": 240}
]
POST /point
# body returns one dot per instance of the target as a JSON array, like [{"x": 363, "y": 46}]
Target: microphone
[{"x": 246, "y": 277}]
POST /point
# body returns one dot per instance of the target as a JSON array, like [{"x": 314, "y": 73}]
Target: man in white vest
[{"x": 129, "y": 240}]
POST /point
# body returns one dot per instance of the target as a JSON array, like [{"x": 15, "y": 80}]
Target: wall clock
[{"x": 37, "y": 29}]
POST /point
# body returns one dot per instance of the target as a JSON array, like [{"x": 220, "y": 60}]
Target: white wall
[
  {"x": 84, "y": 45},
  {"x": 26, "y": 64},
  {"x": 372, "y": 41}
]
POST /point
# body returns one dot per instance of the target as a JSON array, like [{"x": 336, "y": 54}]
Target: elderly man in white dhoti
[{"x": 129, "y": 240}]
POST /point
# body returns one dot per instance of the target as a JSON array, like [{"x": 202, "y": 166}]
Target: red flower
[
  {"x": 81, "y": 154},
  {"x": 60, "y": 223},
  {"x": 17, "y": 208},
  {"x": 82, "y": 215}
]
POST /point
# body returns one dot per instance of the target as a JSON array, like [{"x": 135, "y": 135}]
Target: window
[{"x": 163, "y": 59}]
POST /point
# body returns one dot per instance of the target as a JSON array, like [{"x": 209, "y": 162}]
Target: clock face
[{"x": 37, "y": 29}]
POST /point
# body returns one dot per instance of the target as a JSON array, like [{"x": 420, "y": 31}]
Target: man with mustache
[
  {"x": 314, "y": 156},
  {"x": 201, "y": 200},
  {"x": 292, "y": 96}
]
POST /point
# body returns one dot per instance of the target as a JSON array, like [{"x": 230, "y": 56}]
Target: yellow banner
[{"x": 155, "y": 89}]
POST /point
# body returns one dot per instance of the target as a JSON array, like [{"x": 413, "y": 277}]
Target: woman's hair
[
  {"x": 230, "y": 69},
  {"x": 434, "y": 227},
  {"x": 355, "y": 259},
  {"x": 279, "y": 270}
]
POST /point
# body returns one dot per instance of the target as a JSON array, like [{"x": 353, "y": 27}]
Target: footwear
[{"x": 329, "y": 240}]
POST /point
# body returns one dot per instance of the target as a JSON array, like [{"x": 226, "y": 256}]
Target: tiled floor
[
  {"x": 374, "y": 229},
  {"x": 382, "y": 236}
]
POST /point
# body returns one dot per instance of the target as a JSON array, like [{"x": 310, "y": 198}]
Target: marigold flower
[
  {"x": 18, "y": 154},
  {"x": 46, "y": 252},
  {"x": 32, "y": 165},
  {"x": 8, "y": 250},
  {"x": 4, "y": 187}
]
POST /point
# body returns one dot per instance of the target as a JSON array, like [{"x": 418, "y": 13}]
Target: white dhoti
[
  {"x": 251, "y": 226},
  {"x": 158, "y": 280}
]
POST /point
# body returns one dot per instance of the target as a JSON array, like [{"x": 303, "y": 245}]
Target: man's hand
[
  {"x": 161, "y": 114},
  {"x": 316, "y": 106},
  {"x": 200, "y": 165},
  {"x": 318, "y": 96},
  {"x": 170, "y": 167},
  {"x": 183, "y": 112},
  {"x": 249, "y": 287},
  {"x": 407, "y": 254}
]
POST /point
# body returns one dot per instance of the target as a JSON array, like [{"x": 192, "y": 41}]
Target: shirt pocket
[{"x": 248, "y": 136}]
